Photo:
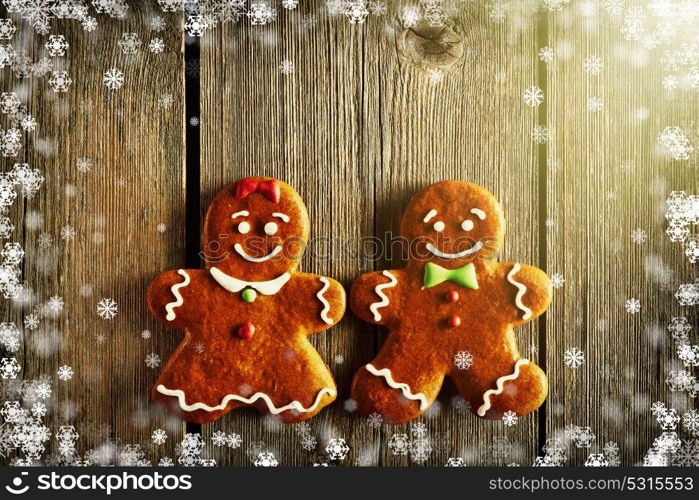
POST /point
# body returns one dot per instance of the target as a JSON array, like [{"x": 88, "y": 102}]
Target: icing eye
[
  {"x": 467, "y": 225},
  {"x": 243, "y": 228},
  {"x": 438, "y": 226},
  {"x": 271, "y": 228}
]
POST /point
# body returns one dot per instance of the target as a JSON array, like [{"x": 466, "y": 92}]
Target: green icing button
[{"x": 249, "y": 295}]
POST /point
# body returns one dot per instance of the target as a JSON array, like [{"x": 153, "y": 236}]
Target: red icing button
[
  {"x": 454, "y": 321},
  {"x": 452, "y": 296},
  {"x": 246, "y": 331}
]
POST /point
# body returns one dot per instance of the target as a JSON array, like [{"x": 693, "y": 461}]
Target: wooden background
[{"x": 357, "y": 128}]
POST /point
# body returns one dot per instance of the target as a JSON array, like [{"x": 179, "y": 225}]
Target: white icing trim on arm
[
  {"x": 500, "y": 384},
  {"x": 326, "y": 305},
  {"x": 294, "y": 405},
  {"x": 522, "y": 289},
  {"x": 404, "y": 388},
  {"x": 374, "y": 308},
  {"x": 242, "y": 213},
  {"x": 175, "y": 289},
  {"x": 282, "y": 216},
  {"x": 429, "y": 215},
  {"x": 478, "y": 213}
]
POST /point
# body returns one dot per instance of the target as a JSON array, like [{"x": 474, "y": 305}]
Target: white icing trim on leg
[
  {"x": 500, "y": 384},
  {"x": 294, "y": 405},
  {"x": 521, "y": 290},
  {"x": 405, "y": 388},
  {"x": 175, "y": 289}
]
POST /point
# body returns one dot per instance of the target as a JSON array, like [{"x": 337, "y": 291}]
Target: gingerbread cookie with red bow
[
  {"x": 247, "y": 315},
  {"x": 451, "y": 312}
]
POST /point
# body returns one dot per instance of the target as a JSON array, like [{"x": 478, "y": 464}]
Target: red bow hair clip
[{"x": 247, "y": 186}]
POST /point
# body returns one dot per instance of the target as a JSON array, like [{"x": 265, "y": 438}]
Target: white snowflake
[
  {"x": 57, "y": 45},
  {"x": 399, "y": 444},
  {"x": 638, "y": 236},
  {"x": 60, "y": 81},
  {"x": 546, "y": 54},
  {"x": 356, "y": 11},
  {"x": 260, "y": 14},
  {"x": 129, "y": 43},
  {"x": 463, "y": 360},
  {"x": 159, "y": 436},
  {"x": 67, "y": 233},
  {"x": 410, "y": 16},
  {"x": 161, "y": 228},
  {"x": 84, "y": 164},
  {"x": 509, "y": 418},
  {"x": 632, "y": 305},
  {"x": 420, "y": 450},
  {"x": 688, "y": 294},
  {"x": 309, "y": 442},
  {"x": 680, "y": 328},
  {"x": 9, "y": 368},
  {"x": 266, "y": 459},
  {"x": 596, "y": 460},
  {"x": 583, "y": 437},
  {"x": 595, "y": 104},
  {"x": 375, "y": 420},
  {"x": 573, "y": 357},
  {"x": 337, "y": 449},
  {"x": 455, "y": 462},
  {"x": 146, "y": 334},
  {"x": 676, "y": 142},
  {"x": 156, "y": 46},
  {"x": 687, "y": 454},
  {"x": 557, "y": 280},
  {"x": 234, "y": 440},
  {"x": 152, "y": 360},
  {"x": 593, "y": 65},
  {"x": 286, "y": 67},
  {"x": 533, "y": 96},
  {"x": 219, "y": 438},
  {"x": 107, "y": 308},
  {"x": 540, "y": 134},
  {"x": 113, "y": 79},
  {"x": 65, "y": 372},
  {"x": 670, "y": 82},
  {"x": 690, "y": 421}
]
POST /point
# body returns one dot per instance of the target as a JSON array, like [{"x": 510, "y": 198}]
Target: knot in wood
[{"x": 431, "y": 47}]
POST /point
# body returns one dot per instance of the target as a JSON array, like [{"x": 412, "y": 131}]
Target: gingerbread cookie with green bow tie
[
  {"x": 451, "y": 312},
  {"x": 247, "y": 315}
]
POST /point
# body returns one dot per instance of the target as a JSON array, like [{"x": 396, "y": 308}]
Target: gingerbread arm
[
  {"x": 317, "y": 302},
  {"x": 530, "y": 291},
  {"x": 374, "y": 297},
  {"x": 168, "y": 295}
]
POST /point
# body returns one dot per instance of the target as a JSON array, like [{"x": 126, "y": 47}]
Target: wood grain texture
[
  {"x": 136, "y": 148},
  {"x": 358, "y": 128},
  {"x": 371, "y": 114},
  {"x": 613, "y": 178}
]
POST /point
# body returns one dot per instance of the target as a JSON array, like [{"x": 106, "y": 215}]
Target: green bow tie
[{"x": 464, "y": 276}]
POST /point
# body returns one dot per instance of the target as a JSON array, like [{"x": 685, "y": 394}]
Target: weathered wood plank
[
  {"x": 358, "y": 128},
  {"x": 612, "y": 180},
  {"x": 136, "y": 149}
]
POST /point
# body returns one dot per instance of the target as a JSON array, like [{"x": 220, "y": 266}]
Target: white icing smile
[
  {"x": 442, "y": 255},
  {"x": 241, "y": 251}
]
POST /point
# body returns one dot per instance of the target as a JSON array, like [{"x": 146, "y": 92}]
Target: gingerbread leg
[
  {"x": 522, "y": 389},
  {"x": 396, "y": 385}
]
